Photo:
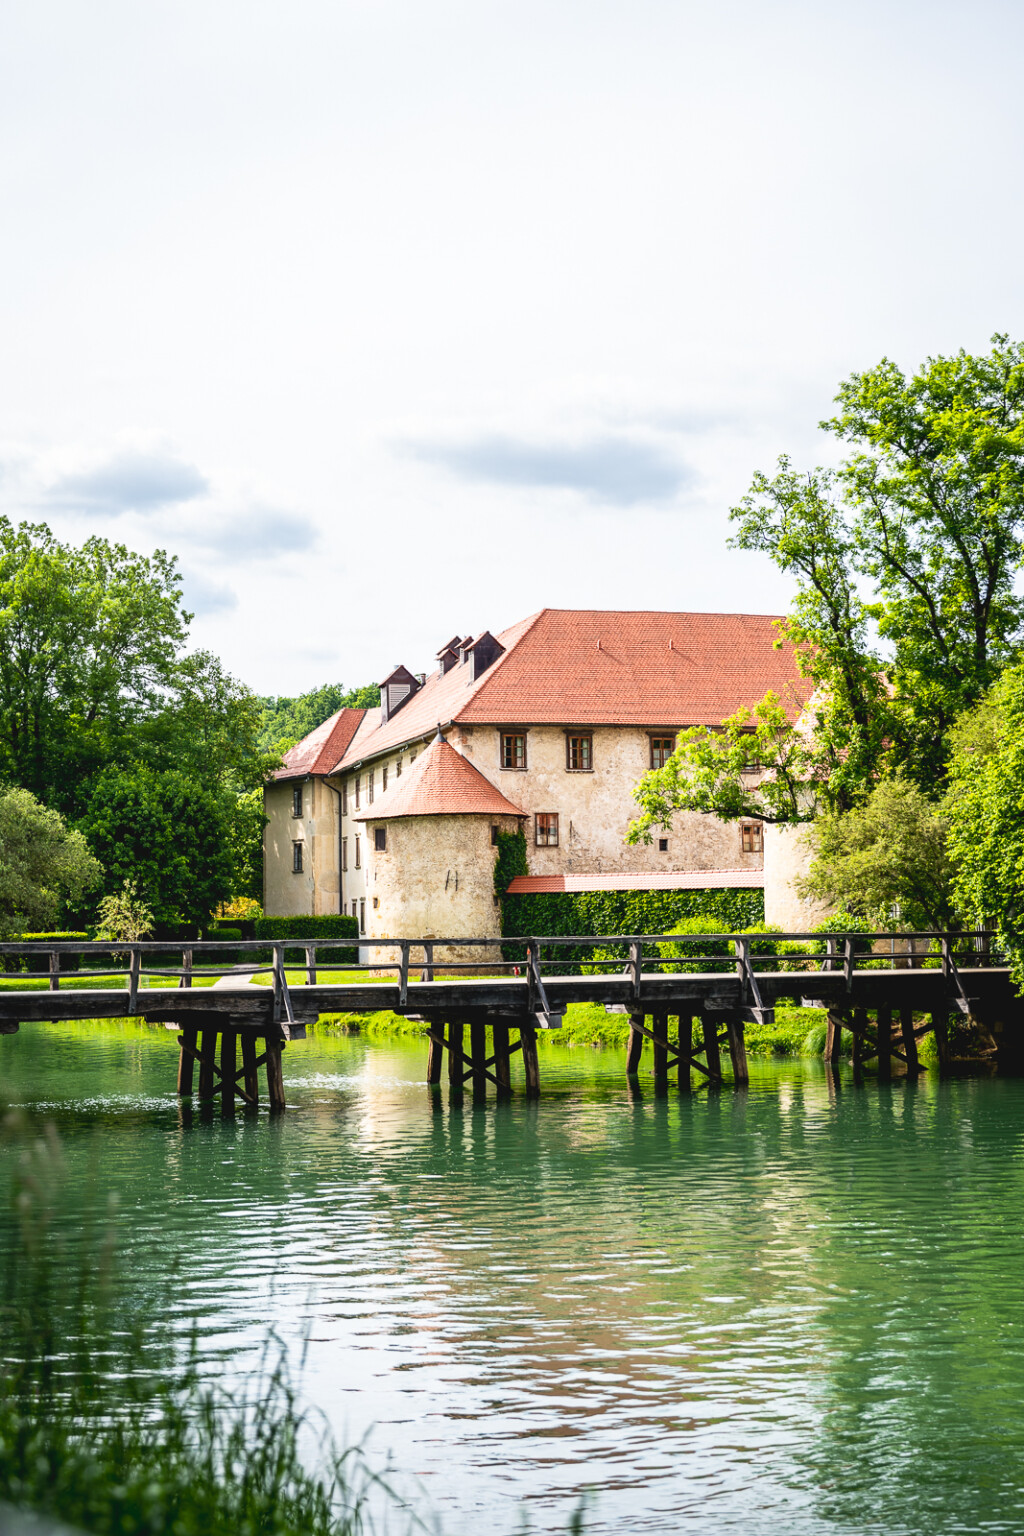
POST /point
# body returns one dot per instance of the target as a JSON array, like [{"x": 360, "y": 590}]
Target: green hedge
[
  {"x": 67, "y": 962},
  {"x": 616, "y": 912},
  {"x": 337, "y": 926}
]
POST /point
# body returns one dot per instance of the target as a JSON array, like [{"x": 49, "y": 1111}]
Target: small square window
[
  {"x": 296, "y": 858},
  {"x": 344, "y": 853},
  {"x": 663, "y": 845},
  {"x": 513, "y": 750},
  {"x": 358, "y": 861},
  {"x": 494, "y": 837},
  {"x": 546, "y": 829},
  {"x": 662, "y": 748},
  {"x": 380, "y": 839},
  {"x": 751, "y": 837},
  {"x": 376, "y": 903},
  {"x": 362, "y": 916},
  {"x": 297, "y": 800},
  {"x": 579, "y": 754}
]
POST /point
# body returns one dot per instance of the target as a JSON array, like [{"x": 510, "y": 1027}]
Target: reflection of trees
[{"x": 772, "y": 1300}]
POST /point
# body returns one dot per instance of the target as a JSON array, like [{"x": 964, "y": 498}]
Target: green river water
[{"x": 793, "y": 1309}]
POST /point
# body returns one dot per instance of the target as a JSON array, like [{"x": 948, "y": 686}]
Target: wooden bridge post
[
  {"x": 737, "y": 1050},
  {"x": 227, "y": 1069},
  {"x": 659, "y": 1029},
  {"x": 940, "y": 1029},
  {"x": 909, "y": 1039},
  {"x": 478, "y": 1054},
  {"x": 502, "y": 1060},
  {"x": 435, "y": 1054},
  {"x": 684, "y": 1048},
  {"x": 859, "y": 1027},
  {"x": 531, "y": 1062},
  {"x": 207, "y": 1057},
  {"x": 455, "y": 1068},
  {"x": 635, "y": 1048},
  {"x": 883, "y": 1019},
  {"x": 712, "y": 1049},
  {"x": 834, "y": 1038},
  {"x": 186, "y": 1059},
  {"x": 275, "y": 1075},
  {"x": 251, "y": 1078}
]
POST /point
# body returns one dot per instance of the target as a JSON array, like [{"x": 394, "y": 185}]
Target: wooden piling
[
  {"x": 659, "y": 1029},
  {"x": 859, "y": 1027},
  {"x": 502, "y": 1060},
  {"x": 251, "y": 1076},
  {"x": 909, "y": 1039},
  {"x": 940, "y": 1029},
  {"x": 834, "y": 1039},
  {"x": 712, "y": 1049},
  {"x": 883, "y": 1017},
  {"x": 189, "y": 1044},
  {"x": 435, "y": 1054},
  {"x": 684, "y": 1047},
  {"x": 455, "y": 1066},
  {"x": 228, "y": 1039},
  {"x": 635, "y": 1049},
  {"x": 207, "y": 1057},
  {"x": 531, "y": 1063},
  {"x": 478, "y": 1053},
  {"x": 275, "y": 1075},
  {"x": 737, "y": 1050}
]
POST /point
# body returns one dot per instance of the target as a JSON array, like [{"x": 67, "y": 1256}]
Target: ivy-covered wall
[{"x": 612, "y": 912}]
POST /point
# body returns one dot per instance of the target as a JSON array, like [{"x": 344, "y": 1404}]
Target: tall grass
[{"x": 104, "y": 1427}]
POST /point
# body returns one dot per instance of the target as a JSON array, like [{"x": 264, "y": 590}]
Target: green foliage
[
  {"x": 510, "y": 862},
  {"x": 916, "y": 539},
  {"x": 124, "y": 915},
  {"x": 286, "y": 720},
  {"x": 616, "y": 912},
  {"x": 246, "y": 822},
  {"x": 984, "y": 804},
  {"x": 88, "y": 641},
  {"x": 208, "y": 728},
  {"x": 166, "y": 833},
  {"x": 44, "y": 866},
  {"x": 331, "y": 926},
  {"x": 885, "y": 860}
]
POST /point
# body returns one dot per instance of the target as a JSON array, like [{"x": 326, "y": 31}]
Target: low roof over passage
[
  {"x": 670, "y": 880},
  {"x": 440, "y": 783},
  {"x": 593, "y": 667}
]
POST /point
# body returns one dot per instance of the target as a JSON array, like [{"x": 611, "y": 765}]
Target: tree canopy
[
  {"x": 44, "y": 864},
  {"x": 905, "y": 559},
  {"x": 286, "y": 720}
]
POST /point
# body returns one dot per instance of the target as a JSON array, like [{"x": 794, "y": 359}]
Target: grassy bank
[{"x": 794, "y": 1033}]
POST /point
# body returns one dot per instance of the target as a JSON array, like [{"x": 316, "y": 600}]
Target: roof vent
[
  {"x": 395, "y": 690},
  {"x": 483, "y": 652}
]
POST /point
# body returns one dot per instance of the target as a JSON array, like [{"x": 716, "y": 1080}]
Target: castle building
[{"x": 394, "y": 814}]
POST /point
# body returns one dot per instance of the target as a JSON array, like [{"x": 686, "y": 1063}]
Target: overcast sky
[{"x": 394, "y": 320}]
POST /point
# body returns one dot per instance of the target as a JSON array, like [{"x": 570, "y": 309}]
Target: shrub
[
  {"x": 67, "y": 962},
  {"x": 336, "y": 926}
]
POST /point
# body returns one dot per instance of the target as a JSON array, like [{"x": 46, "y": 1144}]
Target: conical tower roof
[{"x": 440, "y": 783}]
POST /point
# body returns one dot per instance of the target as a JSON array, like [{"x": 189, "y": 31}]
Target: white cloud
[{"x": 129, "y": 481}]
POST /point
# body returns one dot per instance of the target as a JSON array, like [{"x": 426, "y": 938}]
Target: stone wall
[{"x": 786, "y": 859}]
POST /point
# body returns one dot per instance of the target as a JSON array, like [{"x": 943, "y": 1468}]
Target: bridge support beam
[
  {"x": 224, "y": 1079},
  {"x": 635, "y": 1047},
  {"x": 737, "y": 1050},
  {"x": 883, "y": 1017}
]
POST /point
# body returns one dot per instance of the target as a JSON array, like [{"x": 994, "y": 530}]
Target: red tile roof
[
  {"x": 321, "y": 749},
  {"x": 440, "y": 783},
  {"x": 596, "y": 667},
  {"x": 670, "y": 880}
]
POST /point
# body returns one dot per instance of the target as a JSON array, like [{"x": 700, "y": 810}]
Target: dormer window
[
  {"x": 396, "y": 689},
  {"x": 483, "y": 653}
]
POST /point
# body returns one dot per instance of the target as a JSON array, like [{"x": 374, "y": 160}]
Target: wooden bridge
[{"x": 689, "y": 997}]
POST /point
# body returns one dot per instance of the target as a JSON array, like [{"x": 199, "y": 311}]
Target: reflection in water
[{"x": 787, "y": 1309}]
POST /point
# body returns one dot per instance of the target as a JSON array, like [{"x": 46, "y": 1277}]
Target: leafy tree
[
  {"x": 124, "y": 915},
  {"x": 287, "y": 720},
  {"x": 985, "y": 806},
  {"x": 169, "y": 834},
  {"x": 43, "y": 863},
  {"x": 246, "y": 841},
  {"x": 905, "y": 559},
  {"x": 886, "y": 860},
  {"x": 209, "y": 726},
  {"x": 88, "y": 639}
]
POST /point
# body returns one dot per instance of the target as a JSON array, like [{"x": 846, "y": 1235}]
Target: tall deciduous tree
[
  {"x": 905, "y": 559},
  {"x": 43, "y": 863}
]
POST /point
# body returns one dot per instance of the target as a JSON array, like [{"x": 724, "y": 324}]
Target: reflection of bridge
[{"x": 887, "y": 990}]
